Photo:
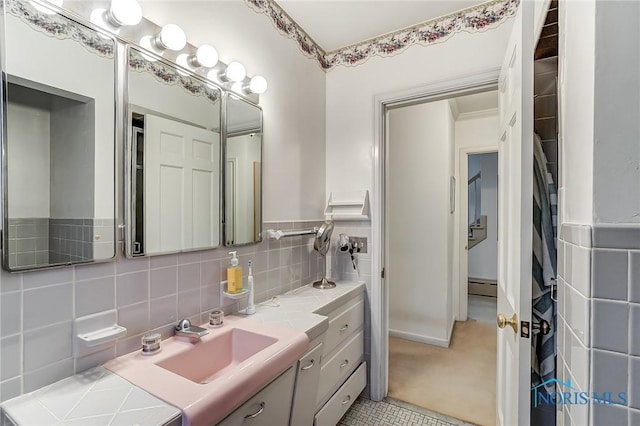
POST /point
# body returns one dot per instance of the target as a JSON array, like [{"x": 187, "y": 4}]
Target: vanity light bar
[{"x": 171, "y": 38}]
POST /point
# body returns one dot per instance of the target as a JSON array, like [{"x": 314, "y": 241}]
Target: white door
[
  {"x": 515, "y": 186},
  {"x": 181, "y": 189}
]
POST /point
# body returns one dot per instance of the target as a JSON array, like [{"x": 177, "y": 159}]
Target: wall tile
[
  {"x": 577, "y": 314},
  {"x": 93, "y": 360},
  {"x": 610, "y": 274},
  {"x": 184, "y": 258},
  {"x": 163, "y": 261},
  {"x": 37, "y": 279},
  {"x": 634, "y": 417},
  {"x": 188, "y": 303},
  {"x": 616, "y": 236},
  {"x": 164, "y": 311},
  {"x": 11, "y": 388},
  {"x": 634, "y": 382},
  {"x": 135, "y": 318},
  {"x": 581, "y": 270},
  {"x": 634, "y": 334},
  {"x": 11, "y": 360},
  {"x": 576, "y": 356},
  {"x": 132, "y": 288},
  {"x": 95, "y": 295},
  {"x": 85, "y": 272},
  {"x": 46, "y": 346},
  {"x": 188, "y": 277},
  {"x": 10, "y": 282},
  {"x": 609, "y": 415},
  {"x": 47, "y": 305},
  {"x": 10, "y": 313},
  {"x": 163, "y": 282},
  {"x": 634, "y": 276},
  {"x": 568, "y": 259},
  {"x": 124, "y": 265},
  {"x": 610, "y": 325},
  {"x": 609, "y": 372},
  {"x": 49, "y": 374}
]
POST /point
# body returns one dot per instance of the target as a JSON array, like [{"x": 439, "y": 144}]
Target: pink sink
[{"x": 207, "y": 380}]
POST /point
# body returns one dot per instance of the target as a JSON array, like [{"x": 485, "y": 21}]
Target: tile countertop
[
  {"x": 305, "y": 308},
  {"x": 99, "y": 397},
  {"x": 93, "y": 397}
]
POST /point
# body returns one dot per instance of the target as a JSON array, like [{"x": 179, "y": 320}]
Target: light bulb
[
  {"x": 258, "y": 85},
  {"x": 45, "y": 9},
  {"x": 171, "y": 37},
  {"x": 206, "y": 56},
  {"x": 125, "y": 12},
  {"x": 213, "y": 75},
  {"x": 183, "y": 61},
  {"x": 235, "y": 72},
  {"x": 99, "y": 18},
  {"x": 147, "y": 43}
]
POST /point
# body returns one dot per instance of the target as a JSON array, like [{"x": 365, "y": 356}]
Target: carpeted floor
[{"x": 459, "y": 381}]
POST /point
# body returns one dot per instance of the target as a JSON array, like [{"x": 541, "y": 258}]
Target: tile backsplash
[
  {"x": 599, "y": 320},
  {"x": 38, "y": 308}
]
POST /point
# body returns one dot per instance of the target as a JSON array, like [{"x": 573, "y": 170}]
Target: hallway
[{"x": 458, "y": 381}]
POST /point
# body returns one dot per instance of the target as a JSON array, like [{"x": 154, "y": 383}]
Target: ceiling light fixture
[
  {"x": 235, "y": 71},
  {"x": 171, "y": 37},
  {"x": 124, "y": 12},
  {"x": 206, "y": 56},
  {"x": 257, "y": 85}
]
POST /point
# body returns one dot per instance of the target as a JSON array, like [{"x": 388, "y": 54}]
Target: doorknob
[{"x": 504, "y": 321}]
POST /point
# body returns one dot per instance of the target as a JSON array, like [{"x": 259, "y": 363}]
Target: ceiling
[
  {"x": 336, "y": 24},
  {"x": 477, "y": 102}
]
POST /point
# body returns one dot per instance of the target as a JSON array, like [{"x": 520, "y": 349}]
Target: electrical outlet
[{"x": 359, "y": 244}]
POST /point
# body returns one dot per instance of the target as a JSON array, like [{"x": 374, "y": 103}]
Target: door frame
[
  {"x": 483, "y": 80},
  {"x": 461, "y": 220}
]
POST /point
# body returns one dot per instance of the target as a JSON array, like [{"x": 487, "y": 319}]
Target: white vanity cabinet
[
  {"x": 308, "y": 377},
  {"x": 269, "y": 407},
  {"x": 342, "y": 372}
]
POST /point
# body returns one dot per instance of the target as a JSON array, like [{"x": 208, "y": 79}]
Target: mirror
[
  {"x": 243, "y": 172},
  {"x": 173, "y": 144},
  {"x": 58, "y": 112}
]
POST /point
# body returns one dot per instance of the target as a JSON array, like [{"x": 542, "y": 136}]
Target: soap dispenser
[{"x": 234, "y": 274}]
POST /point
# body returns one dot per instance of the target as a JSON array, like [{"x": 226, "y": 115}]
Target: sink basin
[
  {"x": 210, "y": 378},
  {"x": 212, "y": 358}
]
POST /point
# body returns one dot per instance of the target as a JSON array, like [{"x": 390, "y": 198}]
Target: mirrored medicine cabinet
[
  {"x": 58, "y": 136},
  {"x": 192, "y": 150}
]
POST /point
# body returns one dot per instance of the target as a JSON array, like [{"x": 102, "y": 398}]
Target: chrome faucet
[{"x": 193, "y": 332}]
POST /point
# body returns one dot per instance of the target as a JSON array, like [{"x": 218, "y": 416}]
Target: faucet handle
[{"x": 183, "y": 325}]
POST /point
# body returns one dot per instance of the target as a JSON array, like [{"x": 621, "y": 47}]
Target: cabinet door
[
  {"x": 269, "y": 407},
  {"x": 306, "y": 390}
]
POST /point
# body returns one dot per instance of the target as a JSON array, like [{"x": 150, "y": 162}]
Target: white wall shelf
[{"x": 348, "y": 205}]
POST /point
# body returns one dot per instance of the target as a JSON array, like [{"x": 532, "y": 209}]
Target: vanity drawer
[
  {"x": 342, "y": 322},
  {"x": 340, "y": 402},
  {"x": 335, "y": 369},
  {"x": 270, "y": 406}
]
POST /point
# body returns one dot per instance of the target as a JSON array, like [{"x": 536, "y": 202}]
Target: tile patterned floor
[{"x": 390, "y": 412}]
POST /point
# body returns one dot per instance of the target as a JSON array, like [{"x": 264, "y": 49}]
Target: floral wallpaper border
[
  {"x": 60, "y": 27},
  {"x": 476, "y": 19},
  {"x": 169, "y": 75}
]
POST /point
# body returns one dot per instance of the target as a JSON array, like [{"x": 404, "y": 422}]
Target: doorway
[{"x": 436, "y": 362}]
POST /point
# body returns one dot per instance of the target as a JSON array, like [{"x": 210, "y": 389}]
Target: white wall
[
  {"x": 28, "y": 170},
  {"x": 576, "y": 67},
  {"x": 294, "y": 104},
  {"x": 474, "y": 132},
  {"x": 616, "y": 155},
  {"x": 483, "y": 257},
  {"x": 419, "y": 222}
]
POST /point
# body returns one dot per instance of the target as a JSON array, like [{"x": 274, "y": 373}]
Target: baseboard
[{"x": 443, "y": 343}]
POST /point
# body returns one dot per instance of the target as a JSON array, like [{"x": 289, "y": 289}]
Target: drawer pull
[
  {"x": 347, "y": 399},
  {"x": 257, "y": 413},
  {"x": 345, "y": 363},
  {"x": 310, "y": 366},
  {"x": 346, "y": 326}
]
